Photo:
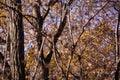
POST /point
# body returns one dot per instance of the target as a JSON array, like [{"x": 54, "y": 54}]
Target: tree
[
  {"x": 38, "y": 28},
  {"x": 16, "y": 41},
  {"x": 117, "y": 38},
  {"x": 64, "y": 39}
]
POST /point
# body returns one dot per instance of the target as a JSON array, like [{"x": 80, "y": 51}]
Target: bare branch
[
  {"x": 38, "y": 61},
  {"x": 83, "y": 28},
  {"x": 60, "y": 68}
]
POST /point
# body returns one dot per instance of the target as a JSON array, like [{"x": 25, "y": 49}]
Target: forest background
[{"x": 59, "y": 39}]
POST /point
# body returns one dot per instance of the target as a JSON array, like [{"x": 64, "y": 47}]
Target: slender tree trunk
[
  {"x": 117, "y": 74},
  {"x": 16, "y": 41},
  {"x": 38, "y": 74},
  {"x": 43, "y": 74},
  {"x": 117, "y": 38}
]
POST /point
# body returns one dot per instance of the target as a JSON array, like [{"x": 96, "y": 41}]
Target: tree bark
[
  {"x": 16, "y": 41},
  {"x": 117, "y": 74}
]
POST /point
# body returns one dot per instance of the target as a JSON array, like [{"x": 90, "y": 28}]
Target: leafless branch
[
  {"x": 60, "y": 68},
  {"x": 83, "y": 28},
  {"x": 12, "y": 8},
  {"x": 38, "y": 61}
]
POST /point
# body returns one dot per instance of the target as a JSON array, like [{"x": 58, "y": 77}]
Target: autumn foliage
[{"x": 60, "y": 39}]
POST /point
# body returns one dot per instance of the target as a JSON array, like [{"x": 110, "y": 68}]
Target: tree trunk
[
  {"x": 43, "y": 63},
  {"x": 39, "y": 68},
  {"x": 16, "y": 41},
  {"x": 117, "y": 74}
]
